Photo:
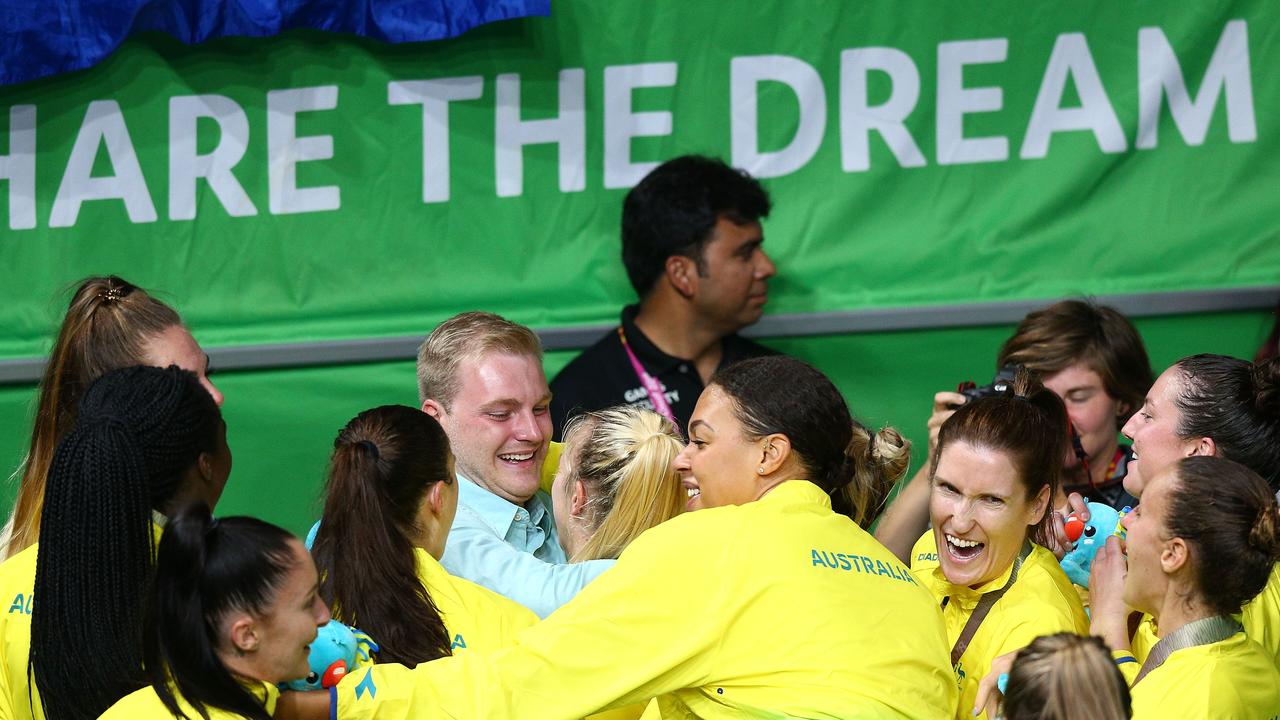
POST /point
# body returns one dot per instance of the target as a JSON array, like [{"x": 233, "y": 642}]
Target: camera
[{"x": 998, "y": 386}]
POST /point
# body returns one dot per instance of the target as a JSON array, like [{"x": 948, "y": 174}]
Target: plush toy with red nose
[
  {"x": 336, "y": 651},
  {"x": 1089, "y": 537}
]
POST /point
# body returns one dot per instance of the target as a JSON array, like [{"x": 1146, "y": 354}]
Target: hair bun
[
  {"x": 1266, "y": 388},
  {"x": 1263, "y": 535},
  {"x": 891, "y": 452}
]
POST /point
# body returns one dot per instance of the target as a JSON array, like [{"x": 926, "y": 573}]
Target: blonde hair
[
  {"x": 623, "y": 456},
  {"x": 1066, "y": 677},
  {"x": 107, "y": 326},
  {"x": 463, "y": 337},
  {"x": 876, "y": 462}
]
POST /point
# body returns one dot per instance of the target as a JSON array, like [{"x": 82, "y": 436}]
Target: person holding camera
[
  {"x": 1093, "y": 358},
  {"x": 996, "y": 468}
]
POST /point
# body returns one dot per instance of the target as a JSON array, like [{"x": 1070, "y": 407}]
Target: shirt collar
[
  {"x": 655, "y": 361},
  {"x": 496, "y": 512}
]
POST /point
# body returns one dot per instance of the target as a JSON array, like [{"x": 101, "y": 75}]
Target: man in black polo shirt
[{"x": 691, "y": 244}]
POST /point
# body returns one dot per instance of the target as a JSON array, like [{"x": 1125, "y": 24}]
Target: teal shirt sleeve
[{"x": 514, "y": 550}]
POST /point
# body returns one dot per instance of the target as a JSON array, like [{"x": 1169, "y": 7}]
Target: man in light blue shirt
[{"x": 481, "y": 376}]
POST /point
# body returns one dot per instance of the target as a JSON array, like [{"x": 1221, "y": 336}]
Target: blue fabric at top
[{"x": 39, "y": 38}]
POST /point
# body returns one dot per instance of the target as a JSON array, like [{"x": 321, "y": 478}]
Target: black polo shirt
[{"x": 602, "y": 376}]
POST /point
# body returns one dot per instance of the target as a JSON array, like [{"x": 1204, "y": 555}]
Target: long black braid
[{"x": 139, "y": 432}]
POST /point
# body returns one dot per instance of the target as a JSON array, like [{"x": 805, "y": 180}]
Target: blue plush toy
[
  {"x": 1089, "y": 537},
  {"x": 337, "y": 650}
]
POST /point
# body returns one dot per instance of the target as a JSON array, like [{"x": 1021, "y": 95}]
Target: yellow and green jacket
[
  {"x": 1260, "y": 618},
  {"x": 145, "y": 704},
  {"x": 777, "y": 608},
  {"x": 1041, "y": 601},
  {"x": 475, "y": 617},
  {"x": 1233, "y": 678}
]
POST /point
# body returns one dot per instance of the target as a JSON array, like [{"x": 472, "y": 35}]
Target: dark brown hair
[
  {"x": 106, "y": 327},
  {"x": 778, "y": 394},
  {"x": 1049, "y": 340},
  {"x": 1228, "y": 516},
  {"x": 1237, "y": 404},
  {"x": 384, "y": 462},
  {"x": 1028, "y": 424}
]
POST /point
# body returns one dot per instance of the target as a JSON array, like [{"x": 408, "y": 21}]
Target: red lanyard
[{"x": 651, "y": 384}]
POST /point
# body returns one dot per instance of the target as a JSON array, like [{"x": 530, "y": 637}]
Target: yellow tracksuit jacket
[
  {"x": 17, "y": 585},
  {"x": 17, "y": 588},
  {"x": 1260, "y": 618},
  {"x": 778, "y": 608},
  {"x": 1234, "y": 678},
  {"x": 1042, "y": 601},
  {"x": 476, "y": 617},
  {"x": 144, "y": 704}
]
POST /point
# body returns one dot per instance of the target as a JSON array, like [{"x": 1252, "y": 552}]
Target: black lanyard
[
  {"x": 1204, "y": 631},
  {"x": 984, "y": 607}
]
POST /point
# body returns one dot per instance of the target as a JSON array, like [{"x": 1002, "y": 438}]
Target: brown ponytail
[
  {"x": 106, "y": 327},
  {"x": 384, "y": 462}
]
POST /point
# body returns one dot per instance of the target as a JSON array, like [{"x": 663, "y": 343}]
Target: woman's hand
[
  {"x": 1059, "y": 543},
  {"x": 1109, "y": 613},
  {"x": 989, "y": 694},
  {"x": 944, "y": 406}
]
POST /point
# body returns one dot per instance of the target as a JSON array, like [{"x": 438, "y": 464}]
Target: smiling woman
[
  {"x": 233, "y": 608},
  {"x": 997, "y": 465}
]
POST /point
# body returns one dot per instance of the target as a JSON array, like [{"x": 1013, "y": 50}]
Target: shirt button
[
  {"x": 522, "y": 515},
  {"x": 684, "y": 369}
]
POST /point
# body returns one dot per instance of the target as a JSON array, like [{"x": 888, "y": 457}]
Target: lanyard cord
[
  {"x": 984, "y": 607},
  {"x": 651, "y": 385},
  {"x": 1204, "y": 631}
]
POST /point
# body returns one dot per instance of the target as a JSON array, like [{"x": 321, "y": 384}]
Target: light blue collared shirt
[{"x": 513, "y": 550}]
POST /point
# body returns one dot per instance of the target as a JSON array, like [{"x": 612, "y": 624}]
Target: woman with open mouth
[
  {"x": 769, "y": 602},
  {"x": 1210, "y": 405},
  {"x": 1200, "y": 546},
  {"x": 997, "y": 465}
]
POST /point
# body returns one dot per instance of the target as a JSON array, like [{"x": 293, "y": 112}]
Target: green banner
[{"x": 315, "y": 186}]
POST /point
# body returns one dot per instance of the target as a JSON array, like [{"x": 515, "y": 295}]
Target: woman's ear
[
  {"x": 1040, "y": 506},
  {"x": 1204, "y": 446},
  {"x": 775, "y": 449},
  {"x": 244, "y": 635},
  {"x": 1174, "y": 556},
  {"x": 435, "y": 498},
  {"x": 204, "y": 465},
  {"x": 578, "y": 499}
]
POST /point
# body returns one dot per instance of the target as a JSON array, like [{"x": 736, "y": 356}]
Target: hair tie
[
  {"x": 370, "y": 448},
  {"x": 114, "y": 293}
]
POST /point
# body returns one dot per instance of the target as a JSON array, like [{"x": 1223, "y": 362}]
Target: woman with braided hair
[
  {"x": 145, "y": 442},
  {"x": 109, "y": 324}
]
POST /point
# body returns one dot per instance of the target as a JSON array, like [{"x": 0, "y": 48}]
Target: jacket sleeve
[{"x": 629, "y": 636}]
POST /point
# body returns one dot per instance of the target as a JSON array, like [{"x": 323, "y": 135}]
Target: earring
[{"x": 760, "y": 470}]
